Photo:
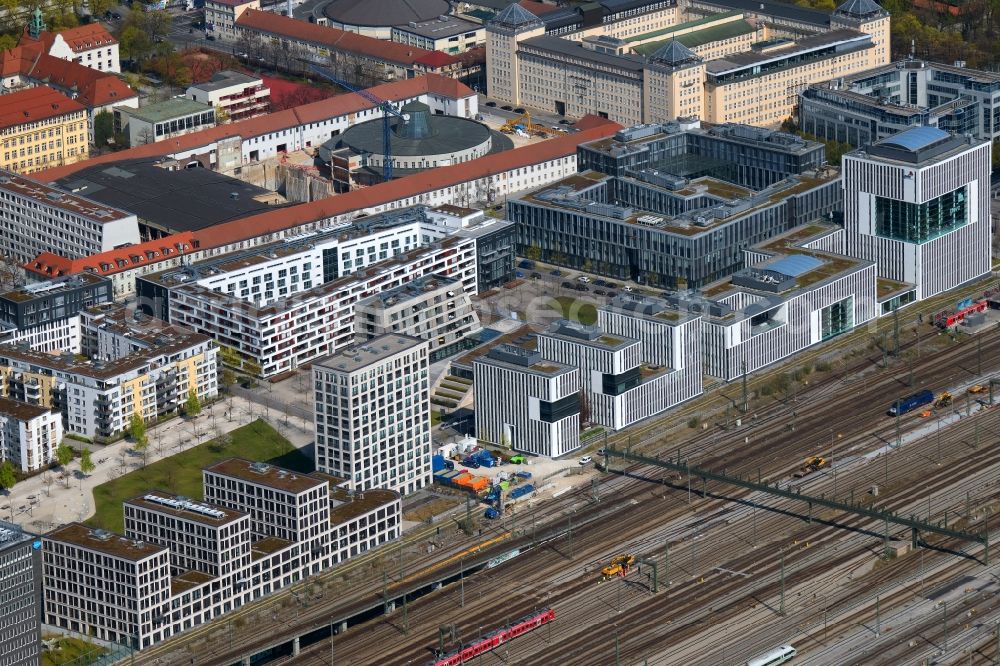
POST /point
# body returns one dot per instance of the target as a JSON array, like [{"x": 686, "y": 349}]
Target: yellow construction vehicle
[
  {"x": 620, "y": 566},
  {"x": 978, "y": 388},
  {"x": 524, "y": 122},
  {"x": 812, "y": 464},
  {"x": 943, "y": 400}
]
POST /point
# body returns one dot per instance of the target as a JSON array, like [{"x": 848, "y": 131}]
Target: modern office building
[
  {"x": 917, "y": 205},
  {"x": 448, "y": 34},
  {"x": 866, "y": 107},
  {"x": 286, "y": 304},
  {"x": 134, "y": 367},
  {"x": 236, "y": 95},
  {"x": 791, "y": 296},
  {"x": 434, "y": 308},
  {"x": 29, "y": 434},
  {"x": 687, "y": 203},
  {"x": 526, "y": 402},
  {"x": 36, "y": 218},
  {"x": 45, "y": 315},
  {"x": 659, "y": 61},
  {"x": 21, "y": 576},
  {"x": 182, "y": 562},
  {"x": 373, "y": 414},
  {"x": 42, "y": 128}
]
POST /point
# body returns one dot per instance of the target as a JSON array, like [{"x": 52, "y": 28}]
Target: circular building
[
  {"x": 375, "y": 19},
  {"x": 422, "y": 141}
]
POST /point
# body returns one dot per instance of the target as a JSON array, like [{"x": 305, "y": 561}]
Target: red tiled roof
[
  {"x": 112, "y": 261},
  {"x": 292, "y": 216},
  {"x": 278, "y": 121},
  {"x": 436, "y": 59},
  {"x": 34, "y": 104},
  {"x": 332, "y": 38},
  {"x": 93, "y": 87},
  {"x": 80, "y": 38}
]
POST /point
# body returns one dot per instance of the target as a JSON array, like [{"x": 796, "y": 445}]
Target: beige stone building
[{"x": 723, "y": 67}]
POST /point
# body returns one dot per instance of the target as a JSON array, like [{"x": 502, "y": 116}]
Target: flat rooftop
[
  {"x": 919, "y": 146},
  {"x": 104, "y": 542},
  {"x": 264, "y": 474},
  {"x": 60, "y": 199},
  {"x": 176, "y": 107},
  {"x": 267, "y": 546},
  {"x": 440, "y": 27},
  {"x": 360, "y": 356},
  {"x": 565, "y": 48},
  {"x": 800, "y": 47},
  {"x": 346, "y": 504},
  {"x": 186, "y": 508},
  {"x": 171, "y": 200},
  {"x": 188, "y": 581},
  {"x": 22, "y": 411},
  {"x": 225, "y": 79},
  {"x": 592, "y": 336},
  {"x": 51, "y": 288}
]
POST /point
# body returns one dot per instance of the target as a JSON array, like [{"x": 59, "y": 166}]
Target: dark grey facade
[
  {"x": 48, "y": 302},
  {"x": 495, "y": 257},
  {"x": 681, "y": 207},
  {"x": 20, "y": 580}
]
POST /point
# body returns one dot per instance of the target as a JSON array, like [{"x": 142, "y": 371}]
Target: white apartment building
[
  {"x": 433, "y": 308},
  {"x": 917, "y": 205},
  {"x": 46, "y": 315},
  {"x": 372, "y": 414},
  {"x": 98, "y": 396},
  {"x": 236, "y": 95},
  {"x": 29, "y": 434},
  {"x": 333, "y": 270},
  {"x": 37, "y": 218},
  {"x": 182, "y": 562},
  {"x": 91, "y": 45},
  {"x": 525, "y": 402}
]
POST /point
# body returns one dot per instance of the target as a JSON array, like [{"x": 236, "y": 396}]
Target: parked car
[
  {"x": 586, "y": 460},
  {"x": 626, "y": 288},
  {"x": 519, "y": 274},
  {"x": 491, "y": 104},
  {"x": 210, "y": 38},
  {"x": 584, "y": 279},
  {"x": 568, "y": 285},
  {"x": 600, "y": 451},
  {"x": 600, "y": 292},
  {"x": 565, "y": 121},
  {"x": 612, "y": 294},
  {"x": 600, "y": 283},
  {"x": 582, "y": 287},
  {"x": 536, "y": 276},
  {"x": 507, "y": 107},
  {"x": 610, "y": 285},
  {"x": 519, "y": 110},
  {"x": 555, "y": 272}
]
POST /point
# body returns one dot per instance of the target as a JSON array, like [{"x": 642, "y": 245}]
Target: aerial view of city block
[{"x": 549, "y": 332}]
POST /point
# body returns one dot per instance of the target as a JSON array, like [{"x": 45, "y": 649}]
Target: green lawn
[
  {"x": 181, "y": 473},
  {"x": 576, "y": 309},
  {"x": 72, "y": 651}
]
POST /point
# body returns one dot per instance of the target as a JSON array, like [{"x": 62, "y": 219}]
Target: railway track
[
  {"x": 771, "y": 442},
  {"x": 575, "y": 649}
]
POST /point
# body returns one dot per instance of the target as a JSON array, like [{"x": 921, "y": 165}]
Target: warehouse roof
[
  {"x": 569, "y": 48},
  {"x": 384, "y": 12},
  {"x": 170, "y": 109}
]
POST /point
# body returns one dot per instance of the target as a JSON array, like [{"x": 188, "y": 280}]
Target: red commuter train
[{"x": 495, "y": 639}]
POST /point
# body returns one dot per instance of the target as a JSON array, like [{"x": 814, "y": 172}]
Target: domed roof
[
  {"x": 514, "y": 15},
  {"x": 384, "y": 12},
  {"x": 859, "y": 8}
]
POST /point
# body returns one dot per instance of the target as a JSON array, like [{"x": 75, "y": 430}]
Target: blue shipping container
[
  {"x": 521, "y": 491},
  {"x": 523, "y": 475},
  {"x": 437, "y": 463}
]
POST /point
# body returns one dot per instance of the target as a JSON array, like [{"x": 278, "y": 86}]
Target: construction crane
[{"x": 387, "y": 111}]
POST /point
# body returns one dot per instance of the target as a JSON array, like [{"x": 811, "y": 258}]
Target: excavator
[
  {"x": 620, "y": 566},
  {"x": 812, "y": 464}
]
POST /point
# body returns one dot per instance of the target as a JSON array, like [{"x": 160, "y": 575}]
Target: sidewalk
[{"x": 39, "y": 507}]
